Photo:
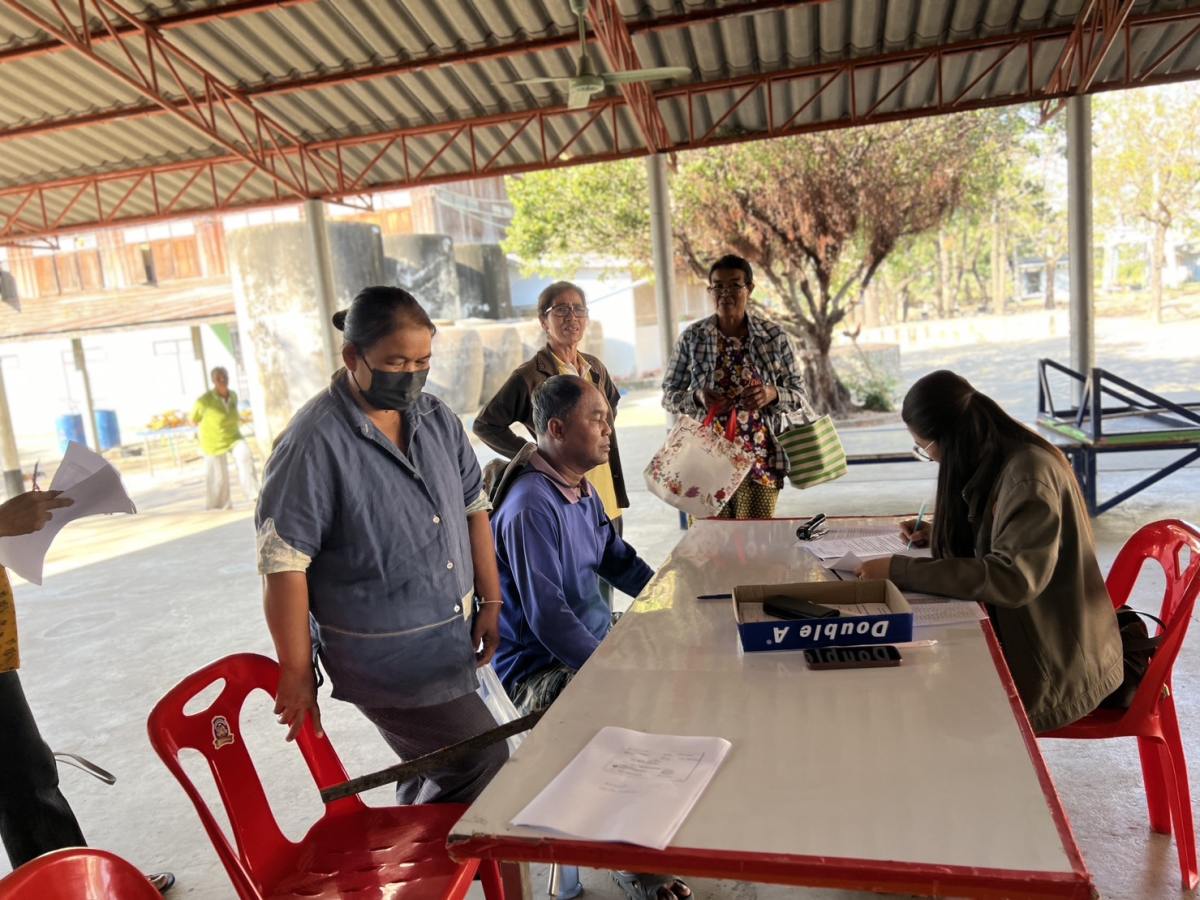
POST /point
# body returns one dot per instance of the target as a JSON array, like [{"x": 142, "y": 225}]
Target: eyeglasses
[
  {"x": 726, "y": 290},
  {"x": 579, "y": 312},
  {"x": 923, "y": 452}
]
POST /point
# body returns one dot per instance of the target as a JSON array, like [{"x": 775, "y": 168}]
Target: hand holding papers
[
  {"x": 94, "y": 486},
  {"x": 627, "y": 786}
]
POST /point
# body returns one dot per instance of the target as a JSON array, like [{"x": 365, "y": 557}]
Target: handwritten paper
[
  {"x": 95, "y": 486},
  {"x": 627, "y": 786}
]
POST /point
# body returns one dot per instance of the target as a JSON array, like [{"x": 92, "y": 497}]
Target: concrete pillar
[
  {"x": 322, "y": 268},
  {"x": 423, "y": 264},
  {"x": 663, "y": 253},
  {"x": 89, "y": 413},
  {"x": 483, "y": 281},
  {"x": 283, "y": 321},
  {"x": 10, "y": 460},
  {"x": 198, "y": 352},
  {"x": 1079, "y": 216}
]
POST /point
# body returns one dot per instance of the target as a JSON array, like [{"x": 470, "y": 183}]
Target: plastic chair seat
[
  {"x": 77, "y": 873},
  {"x": 1151, "y": 718},
  {"x": 353, "y": 850}
]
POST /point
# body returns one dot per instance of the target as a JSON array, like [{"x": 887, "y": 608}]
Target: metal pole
[
  {"x": 314, "y": 215},
  {"x": 90, "y": 409},
  {"x": 14, "y": 479},
  {"x": 1079, "y": 217},
  {"x": 663, "y": 253}
]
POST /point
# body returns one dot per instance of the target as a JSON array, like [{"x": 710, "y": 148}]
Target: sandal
[
  {"x": 162, "y": 881},
  {"x": 646, "y": 887}
]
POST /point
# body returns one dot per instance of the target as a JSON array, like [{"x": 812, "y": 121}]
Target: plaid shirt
[{"x": 694, "y": 362}]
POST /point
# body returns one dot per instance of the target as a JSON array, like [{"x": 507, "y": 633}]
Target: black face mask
[{"x": 393, "y": 390}]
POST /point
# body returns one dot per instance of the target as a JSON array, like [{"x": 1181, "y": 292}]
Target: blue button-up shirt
[{"x": 387, "y": 536}]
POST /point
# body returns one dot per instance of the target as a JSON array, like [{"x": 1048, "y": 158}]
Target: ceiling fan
[{"x": 586, "y": 82}]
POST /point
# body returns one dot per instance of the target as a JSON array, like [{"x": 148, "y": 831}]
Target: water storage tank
[
  {"x": 108, "y": 432},
  {"x": 501, "y": 354},
  {"x": 456, "y": 374},
  {"x": 69, "y": 427}
]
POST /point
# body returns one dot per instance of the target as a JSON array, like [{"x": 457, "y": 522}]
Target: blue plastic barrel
[
  {"x": 69, "y": 427},
  {"x": 108, "y": 432}
]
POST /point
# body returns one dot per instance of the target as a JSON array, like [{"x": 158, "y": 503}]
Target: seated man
[{"x": 552, "y": 540}]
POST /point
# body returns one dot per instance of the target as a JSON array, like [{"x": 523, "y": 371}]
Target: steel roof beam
[
  {"x": 28, "y": 205},
  {"x": 406, "y": 66},
  {"x": 1096, "y": 29},
  {"x": 103, "y": 35},
  {"x": 153, "y": 67},
  {"x": 617, "y": 43}
]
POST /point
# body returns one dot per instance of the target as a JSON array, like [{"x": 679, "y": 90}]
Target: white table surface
[{"x": 919, "y": 767}]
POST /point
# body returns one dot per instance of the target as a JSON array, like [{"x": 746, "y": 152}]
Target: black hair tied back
[
  {"x": 376, "y": 312},
  {"x": 339, "y": 320}
]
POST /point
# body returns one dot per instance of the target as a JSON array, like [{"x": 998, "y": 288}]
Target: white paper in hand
[
  {"x": 95, "y": 486},
  {"x": 627, "y": 786}
]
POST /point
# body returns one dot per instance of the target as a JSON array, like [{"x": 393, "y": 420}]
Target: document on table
[
  {"x": 627, "y": 786},
  {"x": 864, "y": 547},
  {"x": 952, "y": 612},
  {"x": 95, "y": 486},
  {"x": 851, "y": 560}
]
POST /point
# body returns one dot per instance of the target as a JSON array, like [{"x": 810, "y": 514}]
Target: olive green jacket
[{"x": 1035, "y": 569}]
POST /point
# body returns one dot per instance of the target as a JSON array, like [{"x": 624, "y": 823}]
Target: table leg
[
  {"x": 150, "y": 456},
  {"x": 517, "y": 883}
]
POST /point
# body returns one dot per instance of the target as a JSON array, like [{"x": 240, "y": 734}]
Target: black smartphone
[
  {"x": 783, "y": 607},
  {"x": 852, "y": 657}
]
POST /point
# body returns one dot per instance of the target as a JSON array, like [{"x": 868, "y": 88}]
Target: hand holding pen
[{"x": 916, "y": 531}]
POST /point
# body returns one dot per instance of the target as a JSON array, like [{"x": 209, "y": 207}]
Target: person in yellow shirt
[
  {"x": 563, "y": 313},
  {"x": 216, "y": 417},
  {"x": 35, "y": 817}
]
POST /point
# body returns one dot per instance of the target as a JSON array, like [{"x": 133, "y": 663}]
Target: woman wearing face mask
[
  {"x": 1010, "y": 529},
  {"x": 374, "y": 543}
]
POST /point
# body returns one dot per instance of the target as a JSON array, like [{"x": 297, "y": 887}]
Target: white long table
[{"x": 920, "y": 779}]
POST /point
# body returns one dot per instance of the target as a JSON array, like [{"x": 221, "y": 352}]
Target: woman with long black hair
[{"x": 1010, "y": 529}]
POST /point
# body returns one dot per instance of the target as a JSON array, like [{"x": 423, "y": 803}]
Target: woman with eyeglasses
[
  {"x": 563, "y": 313},
  {"x": 745, "y": 367},
  {"x": 1010, "y": 529}
]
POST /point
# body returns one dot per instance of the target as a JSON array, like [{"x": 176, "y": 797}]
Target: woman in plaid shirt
[{"x": 744, "y": 366}]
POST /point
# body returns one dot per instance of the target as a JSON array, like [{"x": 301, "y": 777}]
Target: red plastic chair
[
  {"x": 77, "y": 873},
  {"x": 354, "y": 850},
  {"x": 1151, "y": 718}
]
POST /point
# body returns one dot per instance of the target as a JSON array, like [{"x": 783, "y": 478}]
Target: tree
[
  {"x": 1148, "y": 159},
  {"x": 817, "y": 215},
  {"x": 1038, "y": 199}
]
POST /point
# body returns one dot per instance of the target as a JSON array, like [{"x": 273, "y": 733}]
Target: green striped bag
[{"x": 814, "y": 451}]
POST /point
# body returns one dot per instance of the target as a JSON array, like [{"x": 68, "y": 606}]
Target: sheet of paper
[
  {"x": 951, "y": 612},
  {"x": 627, "y": 786},
  {"x": 95, "y": 486},
  {"x": 863, "y": 547},
  {"x": 851, "y": 561}
]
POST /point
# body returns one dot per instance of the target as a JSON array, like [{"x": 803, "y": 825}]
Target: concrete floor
[{"x": 131, "y": 605}]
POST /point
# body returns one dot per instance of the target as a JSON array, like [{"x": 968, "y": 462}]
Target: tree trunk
[
  {"x": 943, "y": 273},
  {"x": 1051, "y": 271},
  {"x": 998, "y": 261},
  {"x": 1158, "y": 261},
  {"x": 870, "y": 309}
]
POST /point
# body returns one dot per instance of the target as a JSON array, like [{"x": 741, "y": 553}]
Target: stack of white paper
[
  {"x": 627, "y": 786},
  {"x": 95, "y": 486}
]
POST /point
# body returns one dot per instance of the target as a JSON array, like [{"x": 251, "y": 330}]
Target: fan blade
[
  {"x": 539, "y": 81},
  {"x": 578, "y": 99},
  {"x": 638, "y": 75}
]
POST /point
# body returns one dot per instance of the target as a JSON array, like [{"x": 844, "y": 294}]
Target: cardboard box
[{"x": 841, "y": 631}]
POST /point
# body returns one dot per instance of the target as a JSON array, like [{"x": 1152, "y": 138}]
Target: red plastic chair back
[
  {"x": 216, "y": 733},
  {"x": 1163, "y": 542},
  {"x": 78, "y": 873}
]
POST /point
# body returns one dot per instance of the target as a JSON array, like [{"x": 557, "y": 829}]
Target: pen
[
  {"x": 920, "y": 517},
  {"x": 36, "y": 473},
  {"x": 715, "y": 597}
]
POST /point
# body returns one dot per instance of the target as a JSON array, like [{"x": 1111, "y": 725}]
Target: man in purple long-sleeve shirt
[{"x": 552, "y": 540}]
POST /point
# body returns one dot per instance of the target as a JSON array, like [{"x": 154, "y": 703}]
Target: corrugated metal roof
[{"x": 834, "y": 62}]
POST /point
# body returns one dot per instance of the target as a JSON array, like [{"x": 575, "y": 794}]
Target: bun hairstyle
[
  {"x": 974, "y": 436},
  {"x": 376, "y": 313}
]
